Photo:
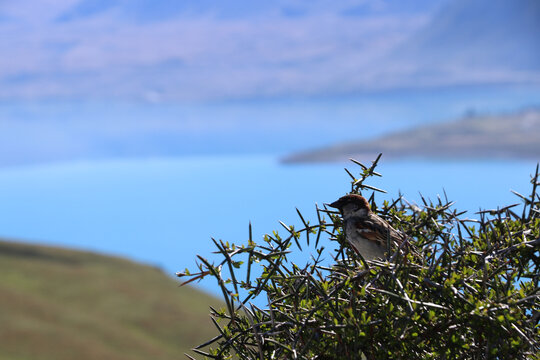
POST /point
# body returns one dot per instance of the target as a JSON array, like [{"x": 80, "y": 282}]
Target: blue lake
[{"x": 164, "y": 211}]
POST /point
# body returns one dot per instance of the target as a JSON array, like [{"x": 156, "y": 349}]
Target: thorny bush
[{"x": 461, "y": 288}]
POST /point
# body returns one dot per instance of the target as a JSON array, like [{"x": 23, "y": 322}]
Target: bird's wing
[
  {"x": 376, "y": 229},
  {"x": 370, "y": 233}
]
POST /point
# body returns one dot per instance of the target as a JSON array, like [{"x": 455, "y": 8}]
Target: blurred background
[{"x": 143, "y": 128}]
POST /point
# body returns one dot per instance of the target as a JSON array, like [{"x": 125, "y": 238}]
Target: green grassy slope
[{"x": 63, "y": 304}]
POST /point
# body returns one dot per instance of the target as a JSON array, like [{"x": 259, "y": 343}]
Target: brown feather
[{"x": 368, "y": 233}]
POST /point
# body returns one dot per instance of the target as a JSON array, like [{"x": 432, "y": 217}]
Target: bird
[{"x": 367, "y": 233}]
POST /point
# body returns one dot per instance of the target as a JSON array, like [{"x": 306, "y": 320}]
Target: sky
[{"x": 98, "y": 78}]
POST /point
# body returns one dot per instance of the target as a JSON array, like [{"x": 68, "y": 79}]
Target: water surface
[{"x": 164, "y": 211}]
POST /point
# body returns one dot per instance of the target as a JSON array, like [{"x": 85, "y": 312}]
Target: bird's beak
[{"x": 336, "y": 204}]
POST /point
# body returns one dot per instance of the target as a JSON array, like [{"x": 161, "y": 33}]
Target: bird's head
[{"x": 352, "y": 204}]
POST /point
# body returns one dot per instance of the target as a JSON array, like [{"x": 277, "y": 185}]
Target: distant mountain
[
  {"x": 477, "y": 41},
  {"x": 178, "y": 51},
  {"x": 483, "y": 137},
  {"x": 62, "y": 304}
]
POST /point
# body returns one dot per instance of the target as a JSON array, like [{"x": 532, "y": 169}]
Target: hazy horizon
[{"x": 94, "y": 79}]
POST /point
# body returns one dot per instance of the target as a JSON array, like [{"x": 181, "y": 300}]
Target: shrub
[{"x": 461, "y": 289}]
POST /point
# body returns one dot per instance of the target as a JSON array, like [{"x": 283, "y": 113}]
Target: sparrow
[{"x": 368, "y": 234}]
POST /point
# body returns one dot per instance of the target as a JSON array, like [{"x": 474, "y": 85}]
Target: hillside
[
  {"x": 63, "y": 304},
  {"x": 509, "y": 136}
]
